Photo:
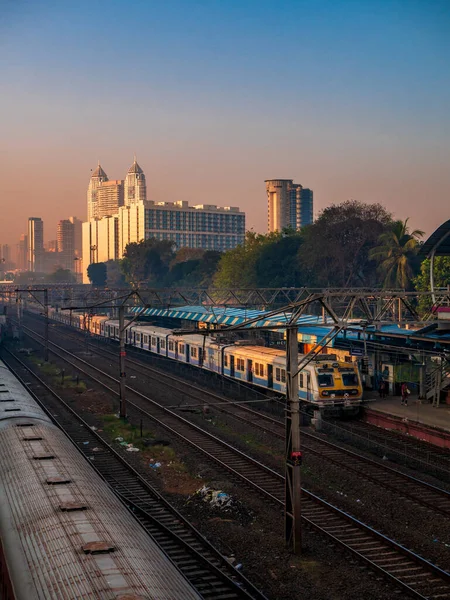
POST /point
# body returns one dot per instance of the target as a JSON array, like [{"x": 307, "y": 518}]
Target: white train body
[{"x": 326, "y": 383}]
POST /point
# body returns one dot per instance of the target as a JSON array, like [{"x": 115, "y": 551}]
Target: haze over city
[{"x": 350, "y": 98}]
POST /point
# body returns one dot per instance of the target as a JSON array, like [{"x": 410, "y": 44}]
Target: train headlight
[{"x": 324, "y": 393}]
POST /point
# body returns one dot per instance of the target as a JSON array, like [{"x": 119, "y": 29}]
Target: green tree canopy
[
  {"x": 147, "y": 262},
  {"x": 396, "y": 254},
  {"x": 62, "y": 276},
  {"x": 97, "y": 274},
  {"x": 193, "y": 271},
  {"x": 422, "y": 280},
  {"x": 336, "y": 247}
]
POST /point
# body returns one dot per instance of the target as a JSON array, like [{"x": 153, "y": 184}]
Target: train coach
[
  {"x": 326, "y": 382},
  {"x": 64, "y": 534}
]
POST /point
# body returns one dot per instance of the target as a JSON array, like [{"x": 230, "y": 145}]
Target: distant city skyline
[{"x": 349, "y": 97}]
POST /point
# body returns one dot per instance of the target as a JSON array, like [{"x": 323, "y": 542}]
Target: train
[
  {"x": 63, "y": 532},
  {"x": 327, "y": 383}
]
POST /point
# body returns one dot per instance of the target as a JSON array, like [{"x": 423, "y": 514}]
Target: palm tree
[{"x": 396, "y": 253}]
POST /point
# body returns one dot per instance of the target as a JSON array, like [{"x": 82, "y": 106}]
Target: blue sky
[{"x": 347, "y": 97}]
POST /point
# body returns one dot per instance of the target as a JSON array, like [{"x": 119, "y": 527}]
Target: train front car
[{"x": 338, "y": 387}]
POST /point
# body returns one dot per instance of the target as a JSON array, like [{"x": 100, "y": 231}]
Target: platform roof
[{"x": 439, "y": 241}]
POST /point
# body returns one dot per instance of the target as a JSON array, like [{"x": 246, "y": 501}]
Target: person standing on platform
[
  {"x": 382, "y": 389},
  {"x": 405, "y": 393}
]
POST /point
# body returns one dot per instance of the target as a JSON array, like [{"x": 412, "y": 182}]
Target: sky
[{"x": 348, "y": 97}]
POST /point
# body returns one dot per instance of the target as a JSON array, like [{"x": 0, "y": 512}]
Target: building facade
[
  {"x": 110, "y": 196},
  {"x": 208, "y": 227},
  {"x": 22, "y": 253},
  {"x": 35, "y": 244},
  {"x": 65, "y": 237},
  {"x": 97, "y": 178},
  {"x": 289, "y": 204},
  {"x": 135, "y": 186}
]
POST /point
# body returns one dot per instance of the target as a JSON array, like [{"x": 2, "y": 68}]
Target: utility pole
[
  {"x": 19, "y": 322},
  {"x": 46, "y": 324},
  {"x": 122, "y": 355},
  {"x": 293, "y": 529}
]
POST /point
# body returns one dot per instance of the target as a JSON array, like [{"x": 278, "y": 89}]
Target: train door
[
  {"x": 200, "y": 357},
  {"x": 188, "y": 353},
  {"x": 308, "y": 387},
  {"x": 157, "y": 345},
  {"x": 231, "y": 365},
  {"x": 249, "y": 370},
  {"x": 270, "y": 376},
  {"x": 142, "y": 340},
  {"x": 176, "y": 350}
]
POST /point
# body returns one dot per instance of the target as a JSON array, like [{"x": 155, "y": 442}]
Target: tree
[
  {"x": 397, "y": 254},
  {"x": 115, "y": 276},
  {"x": 237, "y": 267},
  {"x": 335, "y": 250},
  {"x": 147, "y": 262},
  {"x": 422, "y": 280},
  {"x": 277, "y": 264},
  {"x": 97, "y": 274},
  {"x": 194, "y": 271},
  {"x": 62, "y": 276}
]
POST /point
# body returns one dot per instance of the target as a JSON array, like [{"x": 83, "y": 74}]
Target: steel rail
[
  {"x": 407, "y": 569},
  {"x": 217, "y": 578}
]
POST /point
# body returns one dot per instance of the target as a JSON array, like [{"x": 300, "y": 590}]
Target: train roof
[
  {"x": 15, "y": 400},
  {"x": 51, "y": 532}
]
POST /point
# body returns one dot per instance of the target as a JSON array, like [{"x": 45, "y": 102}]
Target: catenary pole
[
  {"x": 293, "y": 530},
  {"x": 46, "y": 324},
  {"x": 122, "y": 354}
]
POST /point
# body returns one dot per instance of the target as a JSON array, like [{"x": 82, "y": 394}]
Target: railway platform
[{"x": 417, "y": 419}]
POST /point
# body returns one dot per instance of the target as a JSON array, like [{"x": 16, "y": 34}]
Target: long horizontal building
[{"x": 203, "y": 226}]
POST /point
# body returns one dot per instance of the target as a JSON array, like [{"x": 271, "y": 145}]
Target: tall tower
[
  {"x": 289, "y": 204},
  {"x": 97, "y": 177},
  {"x": 135, "y": 186},
  {"x": 35, "y": 245},
  {"x": 278, "y": 203}
]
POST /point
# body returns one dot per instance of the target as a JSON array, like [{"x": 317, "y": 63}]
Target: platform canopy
[{"x": 438, "y": 244}]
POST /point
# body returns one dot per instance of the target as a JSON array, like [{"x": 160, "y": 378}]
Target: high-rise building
[
  {"x": 97, "y": 177},
  {"x": 135, "y": 185},
  {"x": 22, "y": 249},
  {"x": 66, "y": 243},
  {"x": 109, "y": 198},
  {"x": 77, "y": 229},
  {"x": 289, "y": 204},
  {"x": 35, "y": 244}
]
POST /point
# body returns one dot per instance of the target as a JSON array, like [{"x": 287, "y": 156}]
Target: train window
[
  {"x": 170, "y": 345},
  {"x": 181, "y": 348},
  {"x": 163, "y": 344},
  {"x": 325, "y": 380},
  {"x": 153, "y": 341},
  {"x": 259, "y": 369},
  {"x": 277, "y": 374},
  {"x": 349, "y": 379},
  {"x": 301, "y": 380},
  {"x": 283, "y": 376},
  {"x": 193, "y": 352},
  {"x": 240, "y": 364},
  {"x": 225, "y": 360}
]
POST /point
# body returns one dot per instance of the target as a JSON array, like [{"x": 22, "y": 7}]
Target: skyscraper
[
  {"x": 109, "y": 198},
  {"x": 35, "y": 244},
  {"x": 22, "y": 249},
  {"x": 97, "y": 177},
  {"x": 135, "y": 185},
  {"x": 77, "y": 226},
  {"x": 66, "y": 243},
  {"x": 289, "y": 204}
]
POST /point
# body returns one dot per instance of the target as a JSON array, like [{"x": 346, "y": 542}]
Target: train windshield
[
  {"x": 349, "y": 379},
  {"x": 325, "y": 380}
]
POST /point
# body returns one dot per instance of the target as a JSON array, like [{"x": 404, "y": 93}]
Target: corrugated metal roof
[{"x": 439, "y": 241}]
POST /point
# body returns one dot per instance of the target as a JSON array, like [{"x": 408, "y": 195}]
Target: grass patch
[{"x": 116, "y": 427}]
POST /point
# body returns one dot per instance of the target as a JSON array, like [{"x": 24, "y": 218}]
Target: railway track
[
  {"x": 431, "y": 497},
  {"x": 406, "y": 569},
  {"x": 208, "y": 571}
]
